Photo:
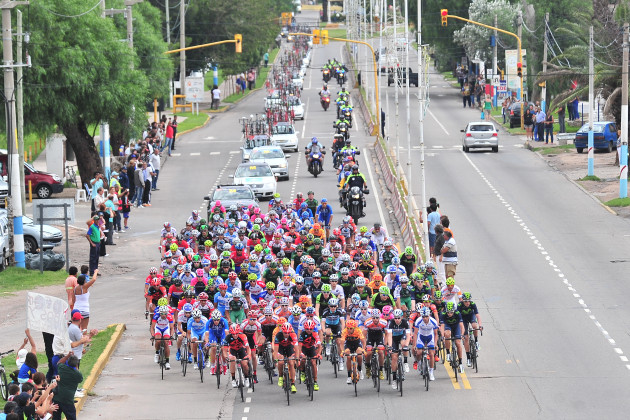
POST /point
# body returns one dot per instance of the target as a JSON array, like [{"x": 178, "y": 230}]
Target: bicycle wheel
[
  {"x": 162, "y": 360},
  {"x": 355, "y": 377},
  {"x": 309, "y": 379},
  {"x": 454, "y": 361},
  {"x": 388, "y": 368},
  {"x": 241, "y": 381},
  {"x": 425, "y": 373},
  {"x": 200, "y": 362},
  {"x": 183, "y": 352},
  {"x": 251, "y": 374},
  {"x": 217, "y": 367},
  {"x": 374, "y": 368},
  {"x": 399, "y": 377},
  {"x": 4, "y": 390},
  {"x": 473, "y": 354},
  {"x": 287, "y": 384}
]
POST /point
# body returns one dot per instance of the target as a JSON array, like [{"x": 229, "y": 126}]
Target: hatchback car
[
  {"x": 297, "y": 107},
  {"x": 238, "y": 195},
  {"x": 604, "y": 136},
  {"x": 274, "y": 156},
  {"x": 32, "y": 239},
  {"x": 259, "y": 177},
  {"x": 480, "y": 134},
  {"x": 284, "y": 135}
]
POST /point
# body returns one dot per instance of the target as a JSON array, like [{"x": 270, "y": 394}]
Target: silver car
[
  {"x": 32, "y": 240},
  {"x": 258, "y": 176},
  {"x": 274, "y": 156},
  {"x": 480, "y": 134}
]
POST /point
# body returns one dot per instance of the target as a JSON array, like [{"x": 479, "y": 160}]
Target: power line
[{"x": 98, "y": 3}]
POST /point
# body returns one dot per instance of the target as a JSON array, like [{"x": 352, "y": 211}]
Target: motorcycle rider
[
  {"x": 324, "y": 91},
  {"x": 343, "y": 92},
  {"x": 314, "y": 148},
  {"x": 340, "y": 120},
  {"x": 356, "y": 179}
]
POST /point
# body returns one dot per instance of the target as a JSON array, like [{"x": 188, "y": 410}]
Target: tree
[{"x": 81, "y": 75}]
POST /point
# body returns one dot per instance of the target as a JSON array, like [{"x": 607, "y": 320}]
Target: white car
[
  {"x": 274, "y": 156},
  {"x": 298, "y": 81},
  {"x": 273, "y": 100},
  {"x": 284, "y": 135},
  {"x": 258, "y": 176},
  {"x": 297, "y": 107},
  {"x": 480, "y": 134}
]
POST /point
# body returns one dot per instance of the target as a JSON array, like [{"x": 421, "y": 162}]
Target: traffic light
[
  {"x": 324, "y": 34},
  {"x": 315, "y": 36},
  {"x": 444, "y": 16},
  {"x": 519, "y": 69},
  {"x": 239, "y": 43}
]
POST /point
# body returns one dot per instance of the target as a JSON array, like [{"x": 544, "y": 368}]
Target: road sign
[
  {"x": 496, "y": 80},
  {"x": 503, "y": 86},
  {"x": 194, "y": 89}
]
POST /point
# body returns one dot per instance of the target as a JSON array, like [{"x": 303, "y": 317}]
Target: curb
[
  {"x": 195, "y": 128},
  {"x": 100, "y": 364}
]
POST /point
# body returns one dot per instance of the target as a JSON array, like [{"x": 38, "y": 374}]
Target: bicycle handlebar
[{"x": 6, "y": 352}]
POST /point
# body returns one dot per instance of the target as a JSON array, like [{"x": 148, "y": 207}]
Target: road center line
[
  {"x": 374, "y": 187},
  {"x": 548, "y": 259},
  {"x": 437, "y": 121}
]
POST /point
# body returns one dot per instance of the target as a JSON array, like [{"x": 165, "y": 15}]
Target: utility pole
[
  {"x": 519, "y": 29},
  {"x": 168, "y": 42},
  {"x": 591, "y": 82},
  {"x": 494, "y": 59},
  {"x": 543, "y": 100},
  {"x": 396, "y": 87},
  {"x": 421, "y": 92},
  {"x": 182, "y": 44},
  {"x": 623, "y": 153},
  {"x": 406, "y": 46},
  {"x": 20, "y": 106},
  {"x": 16, "y": 192}
]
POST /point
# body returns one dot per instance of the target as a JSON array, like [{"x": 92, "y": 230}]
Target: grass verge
[
  {"x": 191, "y": 121},
  {"x": 260, "y": 80},
  {"x": 32, "y": 145},
  {"x": 618, "y": 202},
  {"x": 337, "y": 33},
  {"x": 14, "y": 279},
  {"x": 99, "y": 342},
  {"x": 554, "y": 150},
  {"x": 590, "y": 178}
]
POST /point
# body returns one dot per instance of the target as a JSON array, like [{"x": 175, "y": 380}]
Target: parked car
[
  {"x": 4, "y": 192},
  {"x": 514, "y": 112},
  {"x": 4, "y": 241},
  {"x": 284, "y": 135},
  {"x": 258, "y": 176},
  {"x": 256, "y": 141},
  {"x": 32, "y": 239},
  {"x": 238, "y": 195},
  {"x": 604, "y": 136},
  {"x": 402, "y": 77},
  {"x": 274, "y": 156},
  {"x": 44, "y": 184},
  {"x": 480, "y": 134}
]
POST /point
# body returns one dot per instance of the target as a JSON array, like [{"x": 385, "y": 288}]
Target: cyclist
[
  {"x": 254, "y": 288},
  {"x": 470, "y": 315},
  {"x": 424, "y": 332},
  {"x": 153, "y": 293},
  {"x": 286, "y": 344},
  {"x": 404, "y": 295},
  {"x": 354, "y": 342},
  {"x": 217, "y": 328},
  {"x": 285, "y": 286},
  {"x": 322, "y": 300},
  {"x": 361, "y": 289},
  {"x": 337, "y": 290},
  {"x": 352, "y": 307},
  {"x": 203, "y": 305},
  {"x": 451, "y": 326},
  {"x": 375, "y": 326},
  {"x": 298, "y": 290},
  {"x": 162, "y": 327},
  {"x": 197, "y": 332},
  {"x": 253, "y": 331},
  {"x": 451, "y": 292},
  {"x": 268, "y": 323},
  {"x": 182, "y": 328},
  {"x": 237, "y": 342},
  {"x": 398, "y": 333},
  {"x": 408, "y": 260},
  {"x": 387, "y": 255},
  {"x": 333, "y": 320},
  {"x": 283, "y": 310},
  {"x": 236, "y": 307},
  {"x": 221, "y": 299},
  {"x": 383, "y": 298},
  {"x": 309, "y": 346}
]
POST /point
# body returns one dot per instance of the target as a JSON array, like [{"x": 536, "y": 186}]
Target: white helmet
[
  {"x": 236, "y": 293},
  {"x": 196, "y": 313}
]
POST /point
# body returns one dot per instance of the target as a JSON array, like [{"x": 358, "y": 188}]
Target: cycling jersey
[
  {"x": 162, "y": 325},
  {"x": 468, "y": 313},
  {"x": 405, "y": 294},
  {"x": 197, "y": 328},
  {"x": 355, "y": 335},
  {"x": 451, "y": 320},
  {"x": 452, "y": 295},
  {"x": 407, "y": 261},
  {"x": 205, "y": 309},
  {"x": 366, "y": 269},
  {"x": 398, "y": 330},
  {"x": 309, "y": 340},
  {"x": 333, "y": 318},
  {"x": 256, "y": 289},
  {"x": 221, "y": 302},
  {"x": 361, "y": 317},
  {"x": 379, "y": 303},
  {"x": 187, "y": 278},
  {"x": 286, "y": 340},
  {"x": 236, "y": 342},
  {"x": 216, "y": 332},
  {"x": 375, "y": 330},
  {"x": 426, "y": 334},
  {"x": 323, "y": 302},
  {"x": 182, "y": 319},
  {"x": 305, "y": 318},
  {"x": 366, "y": 293},
  {"x": 295, "y": 293},
  {"x": 250, "y": 329},
  {"x": 285, "y": 288}
]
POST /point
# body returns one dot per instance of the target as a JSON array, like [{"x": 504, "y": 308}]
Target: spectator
[
  {"x": 123, "y": 178},
  {"x": 251, "y": 79},
  {"x": 466, "y": 95},
  {"x": 216, "y": 97},
  {"x": 433, "y": 219},
  {"x": 13, "y": 389},
  {"x": 82, "y": 298},
  {"x": 540, "y": 124},
  {"x": 9, "y": 408},
  {"x": 528, "y": 122},
  {"x": 266, "y": 58},
  {"x": 101, "y": 225},
  {"x": 71, "y": 283},
  {"x": 437, "y": 248},
  {"x": 94, "y": 238},
  {"x": 155, "y": 162},
  {"x": 561, "y": 119},
  {"x": 576, "y": 109},
  {"x": 168, "y": 137},
  {"x": 138, "y": 180},
  {"x": 117, "y": 210},
  {"x": 28, "y": 368},
  {"x": 22, "y": 352},
  {"x": 97, "y": 182},
  {"x": 99, "y": 198},
  {"x": 445, "y": 222},
  {"x": 125, "y": 207},
  {"x": 549, "y": 127},
  {"x": 114, "y": 182},
  {"x": 449, "y": 254},
  {"x": 69, "y": 379},
  {"x": 109, "y": 215},
  {"x": 238, "y": 84},
  {"x": 174, "y": 125},
  {"x": 147, "y": 171}
]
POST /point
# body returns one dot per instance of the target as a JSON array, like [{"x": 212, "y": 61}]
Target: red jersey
[
  {"x": 285, "y": 340},
  {"x": 373, "y": 326},
  {"x": 309, "y": 339},
  {"x": 236, "y": 342},
  {"x": 182, "y": 302}
]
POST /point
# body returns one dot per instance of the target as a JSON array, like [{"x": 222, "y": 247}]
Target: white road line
[
  {"x": 233, "y": 152},
  {"x": 546, "y": 256},
  {"x": 436, "y": 120},
  {"x": 215, "y": 153},
  {"x": 308, "y": 102},
  {"x": 374, "y": 187},
  {"x": 195, "y": 154},
  {"x": 246, "y": 410},
  {"x": 176, "y": 154},
  {"x": 438, "y": 147}
]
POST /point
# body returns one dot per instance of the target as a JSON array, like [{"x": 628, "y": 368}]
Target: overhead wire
[{"x": 98, "y": 3}]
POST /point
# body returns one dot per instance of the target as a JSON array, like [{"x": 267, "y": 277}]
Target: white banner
[
  {"x": 48, "y": 314},
  {"x": 194, "y": 89}
]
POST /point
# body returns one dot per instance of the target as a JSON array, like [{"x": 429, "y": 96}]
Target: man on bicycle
[
  {"x": 237, "y": 342},
  {"x": 354, "y": 341},
  {"x": 217, "y": 329},
  {"x": 162, "y": 327},
  {"x": 253, "y": 331},
  {"x": 451, "y": 324},
  {"x": 286, "y": 344},
  {"x": 236, "y": 307},
  {"x": 182, "y": 328},
  {"x": 333, "y": 320},
  {"x": 424, "y": 332},
  {"x": 470, "y": 316},
  {"x": 398, "y": 333},
  {"x": 197, "y": 331},
  {"x": 375, "y": 326},
  {"x": 309, "y": 346}
]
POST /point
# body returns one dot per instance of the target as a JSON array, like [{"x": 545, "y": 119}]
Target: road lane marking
[
  {"x": 374, "y": 187},
  {"x": 233, "y": 152},
  {"x": 437, "y": 121},
  {"x": 176, "y": 154},
  {"x": 550, "y": 261},
  {"x": 308, "y": 101},
  {"x": 215, "y": 153},
  {"x": 246, "y": 410},
  {"x": 451, "y": 374},
  {"x": 465, "y": 381},
  {"x": 195, "y": 154}
]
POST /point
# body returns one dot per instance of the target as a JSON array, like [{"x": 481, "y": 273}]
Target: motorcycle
[
  {"x": 325, "y": 101},
  {"x": 343, "y": 129},
  {"x": 340, "y": 104},
  {"x": 326, "y": 75},
  {"x": 316, "y": 159},
  {"x": 355, "y": 203},
  {"x": 347, "y": 114},
  {"x": 341, "y": 76}
]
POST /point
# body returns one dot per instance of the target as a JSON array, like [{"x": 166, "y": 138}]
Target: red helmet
[
  {"x": 156, "y": 282},
  {"x": 203, "y": 296},
  {"x": 287, "y": 328},
  {"x": 232, "y": 275},
  {"x": 223, "y": 286},
  {"x": 310, "y": 324},
  {"x": 252, "y": 314},
  {"x": 235, "y": 329},
  {"x": 262, "y": 303}
]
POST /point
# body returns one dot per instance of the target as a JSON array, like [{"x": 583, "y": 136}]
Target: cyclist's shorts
[
  {"x": 197, "y": 335},
  {"x": 396, "y": 341},
  {"x": 287, "y": 351},
  {"x": 251, "y": 339},
  {"x": 425, "y": 340},
  {"x": 163, "y": 332},
  {"x": 309, "y": 351},
  {"x": 353, "y": 345},
  {"x": 213, "y": 338},
  {"x": 454, "y": 329},
  {"x": 237, "y": 317},
  {"x": 240, "y": 353},
  {"x": 335, "y": 329}
]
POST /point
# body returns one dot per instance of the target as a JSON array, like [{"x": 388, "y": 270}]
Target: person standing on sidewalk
[
  {"x": 216, "y": 97},
  {"x": 174, "y": 125},
  {"x": 68, "y": 381},
  {"x": 540, "y": 124},
  {"x": 561, "y": 116},
  {"x": 96, "y": 183},
  {"x": 155, "y": 162},
  {"x": 138, "y": 180},
  {"x": 147, "y": 172},
  {"x": 549, "y": 127},
  {"x": 94, "y": 238},
  {"x": 266, "y": 58},
  {"x": 168, "y": 138}
]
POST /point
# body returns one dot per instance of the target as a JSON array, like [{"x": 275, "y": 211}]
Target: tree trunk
[
  {"x": 86, "y": 152},
  {"x": 117, "y": 135}
]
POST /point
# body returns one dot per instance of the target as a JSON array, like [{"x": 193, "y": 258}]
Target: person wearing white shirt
[{"x": 154, "y": 161}]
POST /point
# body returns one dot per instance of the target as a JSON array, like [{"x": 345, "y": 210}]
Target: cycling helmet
[
  {"x": 284, "y": 301},
  {"x": 252, "y": 277},
  {"x": 426, "y": 298},
  {"x": 429, "y": 264},
  {"x": 333, "y": 302},
  {"x": 408, "y": 250},
  {"x": 317, "y": 274},
  {"x": 416, "y": 276},
  {"x": 314, "y": 140},
  {"x": 364, "y": 304},
  {"x": 326, "y": 288},
  {"x": 153, "y": 271},
  {"x": 387, "y": 309},
  {"x": 466, "y": 296},
  {"x": 384, "y": 290},
  {"x": 287, "y": 328},
  {"x": 425, "y": 311},
  {"x": 203, "y": 296},
  {"x": 351, "y": 323},
  {"x": 304, "y": 299},
  {"x": 177, "y": 282},
  {"x": 156, "y": 282},
  {"x": 162, "y": 301},
  {"x": 334, "y": 277},
  {"x": 437, "y": 294},
  {"x": 237, "y": 293},
  {"x": 404, "y": 279},
  {"x": 296, "y": 310},
  {"x": 235, "y": 329},
  {"x": 214, "y": 257},
  {"x": 299, "y": 280},
  {"x": 285, "y": 261},
  {"x": 391, "y": 269},
  {"x": 375, "y": 313},
  {"x": 252, "y": 314},
  {"x": 310, "y": 324},
  {"x": 359, "y": 282},
  {"x": 163, "y": 310},
  {"x": 216, "y": 315},
  {"x": 270, "y": 285},
  {"x": 388, "y": 243},
  {"x": 268, "y": 310},
  {"x": 223, "y": 286},
  {"x": 199, "y": 272},
  {"x": 173, "y": 247},
  {"x": 355, "y": 298},
  {"x": 207, "y": 243},
  {"x": 239, "y": 246},
  {"x": 253, "y": 258},
  {"x": 450, "y": 281},
  {"x": 396, "y": 260},
  {"x": 213, "y": 272},
  {"x": 419, "y": 306},
  {"x": 398, "y": 313},
  {"x": 168, "y": 254},
  {"x": 232, "y": 275},
  {"x": 344, "y": 271},
  {"x": 189, "y": 251},
  {"x": 187, "y": 307},
  {"x": 310, "y": 310},
  {"x": 187, "y": 267},
  {"x": 196, "y": 313},
  {"x": 450, "y": 307}
]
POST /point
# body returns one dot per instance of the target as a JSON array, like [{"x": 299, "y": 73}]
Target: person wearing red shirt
[
  {"x": 286, "y": 344},
  {"x": 168, "y": 137}
]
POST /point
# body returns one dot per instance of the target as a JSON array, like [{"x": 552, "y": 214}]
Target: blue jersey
[
  {"x": 221, "y": 302},
  {"x": 217, "y": 332},
  {"x": 254, "y": 269},
  {"x": 197, "y": 327},
  {"x": 295, "y": 322}
]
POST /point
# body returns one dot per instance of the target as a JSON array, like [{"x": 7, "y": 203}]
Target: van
[{"x": 44, "y": 184}]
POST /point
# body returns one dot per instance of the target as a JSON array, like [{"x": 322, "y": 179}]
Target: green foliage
[
  {"x": 618, "y": 202},
  {"x": 14, "y": 279}
]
